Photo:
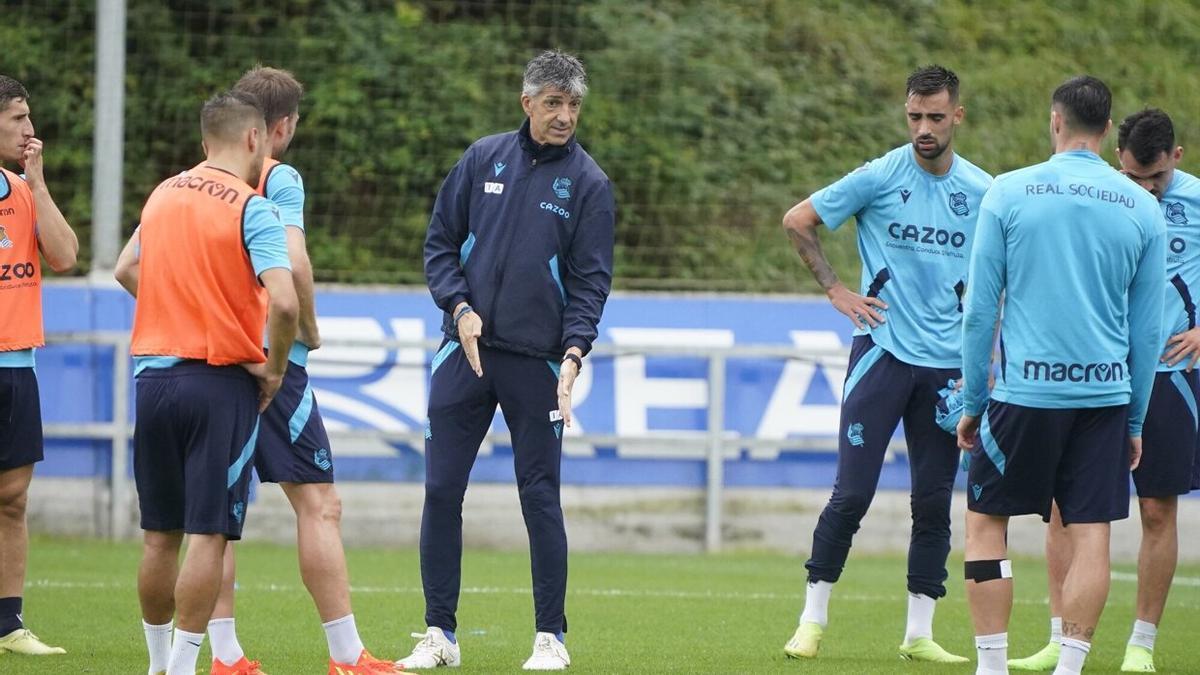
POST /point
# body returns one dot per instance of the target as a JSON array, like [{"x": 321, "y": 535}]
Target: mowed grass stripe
[{"x": 628, "y": 613}]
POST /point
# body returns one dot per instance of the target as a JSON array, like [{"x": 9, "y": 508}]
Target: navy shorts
[
  {"x": 292, "y": 444},
  {"x": 193, "y": 445},
  {"x": 1196, "y": 470},
  {"x": 1026, "y": 457},
  {"x": 20, "y": 418},
  {"x": 1169, "y": 439}
]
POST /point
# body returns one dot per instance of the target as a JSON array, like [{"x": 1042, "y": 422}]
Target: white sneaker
[
  {"x": 548, "y": 654},
  {"x": 434, "y": 650}
]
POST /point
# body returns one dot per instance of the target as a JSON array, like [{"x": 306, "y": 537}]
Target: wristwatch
[{"x": 570, "y": 356}]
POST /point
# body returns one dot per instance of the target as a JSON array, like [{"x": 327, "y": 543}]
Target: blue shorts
[
  {"x": 1169, "y": 439},
  {"x": 292, "y": 444},
  {"x": 20, "y": 418},
  {"x": 192, "y": 447},
  {"x": 1027, "y": 457}
]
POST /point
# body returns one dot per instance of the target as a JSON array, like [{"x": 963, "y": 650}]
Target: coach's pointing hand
[
  {"x": 566, "y": 381},
  {"x": 470, "y": 327}
]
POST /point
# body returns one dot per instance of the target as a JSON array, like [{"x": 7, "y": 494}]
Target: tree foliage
[{"x": 712, "y": 117}]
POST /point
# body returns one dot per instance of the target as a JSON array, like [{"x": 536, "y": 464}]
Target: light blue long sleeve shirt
[{"x": 1080, "y": 253}]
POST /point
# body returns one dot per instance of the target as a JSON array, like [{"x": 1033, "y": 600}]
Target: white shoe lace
[
  {"x": 545, "y": 648},
  {"x": 426, "y": 646}
]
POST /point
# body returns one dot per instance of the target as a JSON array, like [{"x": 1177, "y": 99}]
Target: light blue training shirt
[
  {"x": 915, "y": 232},
  {"x": 1181, "y": 209},
  {"x": 285, "y": 188},
  {"x": 1080, "y": 253}
]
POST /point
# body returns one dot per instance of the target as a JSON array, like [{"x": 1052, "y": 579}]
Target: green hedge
[{"x": 712, "y": 117}]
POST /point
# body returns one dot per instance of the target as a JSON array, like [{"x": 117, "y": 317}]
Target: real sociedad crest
[
  {"x": 1175, "y": 213},
  {"x": 958, "y": 204},
  {"x": 562, "y": 188}
]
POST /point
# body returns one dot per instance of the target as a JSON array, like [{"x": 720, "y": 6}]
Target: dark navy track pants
[
  {"x": 880, "y": 391},
  {"x": 461, "y": 407}
]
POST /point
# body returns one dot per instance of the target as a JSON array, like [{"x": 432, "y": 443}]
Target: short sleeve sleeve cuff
[
  {"x": 835, "y": 203},
  {"x": 264, "y": 236},
  {"x": 285, "y": 188}
]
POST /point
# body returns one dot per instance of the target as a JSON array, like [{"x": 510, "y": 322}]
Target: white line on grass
[
  {"x": 593, "y": 592},
  {"x": 1179, "y": 581}
]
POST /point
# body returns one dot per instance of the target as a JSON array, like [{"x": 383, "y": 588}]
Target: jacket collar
[{"x": 543, "y": 153}]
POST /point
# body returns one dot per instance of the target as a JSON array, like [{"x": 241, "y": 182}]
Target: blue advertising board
[{"x": 629, "y": 394}]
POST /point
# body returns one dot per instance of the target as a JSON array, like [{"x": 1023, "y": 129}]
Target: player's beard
[{"x": 932, "y": 153}]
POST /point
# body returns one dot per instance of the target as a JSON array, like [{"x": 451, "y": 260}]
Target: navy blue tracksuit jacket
[{"x": 524, "y": 233}]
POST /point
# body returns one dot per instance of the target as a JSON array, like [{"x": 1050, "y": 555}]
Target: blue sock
[
  {"x": 450, "y": 636},
  {"x": 10, "y": 615}
]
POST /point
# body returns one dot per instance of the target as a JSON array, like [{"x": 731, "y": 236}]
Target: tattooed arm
[{"x": 800, "y": 224}]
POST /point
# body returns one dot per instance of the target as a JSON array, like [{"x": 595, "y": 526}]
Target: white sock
[
  {"x": 1056, "y": 629},
  {"x": 1070, "y": 660},
  {"x": 344, "y": 644},
  {"x": 158, "y": 643},
  {"x": 920, "y": 617},
  {"x": 816, "y": 603},
  {"x": 223, "y": 637},
  {"x": 185, "y": 649},
  {"x": 992, "y": 651},
  {"x": 1143, "y": 635}
]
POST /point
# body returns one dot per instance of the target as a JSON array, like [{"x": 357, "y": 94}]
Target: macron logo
[
  {"x": 499, "y": 167},
  {"x": 493, "y": 188},
  {"x": 905, "y": 194},
  {"x": 1074, "y": 372}
]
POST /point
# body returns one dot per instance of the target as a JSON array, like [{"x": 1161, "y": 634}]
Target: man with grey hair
[{"x": 519, "y": 257}]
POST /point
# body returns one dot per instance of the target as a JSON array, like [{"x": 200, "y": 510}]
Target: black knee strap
[{"x": 980, "y": 571}]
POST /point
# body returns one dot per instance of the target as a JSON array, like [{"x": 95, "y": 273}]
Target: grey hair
[{"x": 555, "y": 69}]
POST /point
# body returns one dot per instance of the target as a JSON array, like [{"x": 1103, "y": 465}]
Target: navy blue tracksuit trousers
[
  {"x": 461, "y": 407},
  {"x": 880, "y": 391}
]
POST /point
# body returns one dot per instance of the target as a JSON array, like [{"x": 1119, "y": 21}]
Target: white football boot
[
  {"x": 433, "y": 651},
  {"x": 548, "y": 654}
]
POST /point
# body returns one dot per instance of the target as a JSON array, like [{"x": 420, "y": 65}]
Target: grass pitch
[{"x": 628, "y": 613}]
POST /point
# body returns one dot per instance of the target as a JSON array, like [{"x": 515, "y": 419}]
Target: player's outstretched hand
[
  {"x": 470, "y": 327},
  {"x": 1135, "y": 452},
  {"x": 968, "y": 431},
  {"x": 863, "y": 310},
  {"x": 1183, "y": 346},
  {"x": 268, "y": 383},
  {"x": 566, "y": 382}
]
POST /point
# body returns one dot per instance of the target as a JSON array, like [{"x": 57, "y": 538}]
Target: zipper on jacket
[{"x": 511, "y": 234}]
